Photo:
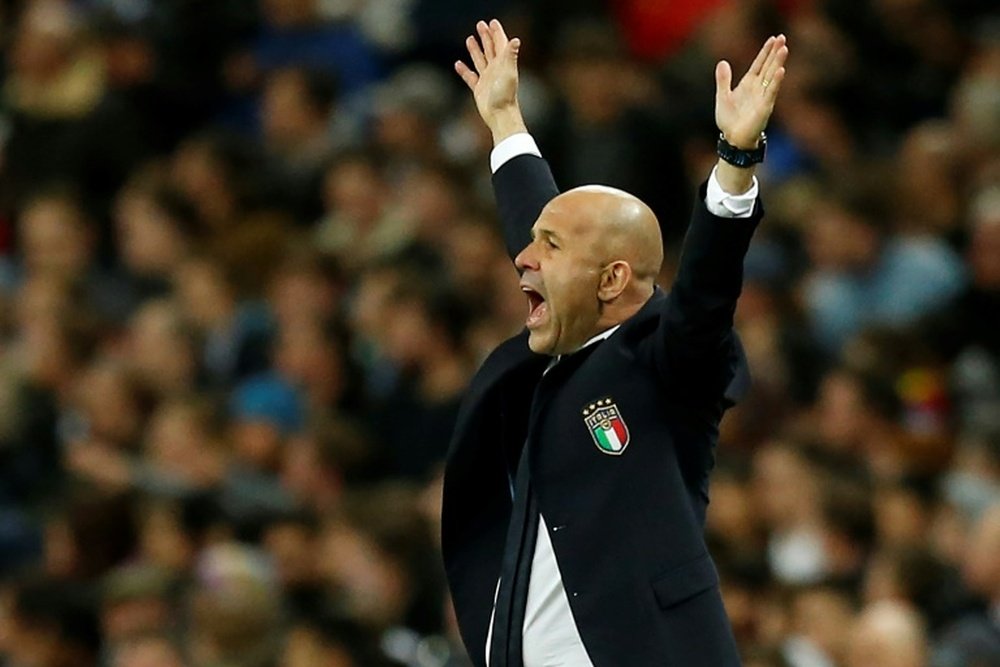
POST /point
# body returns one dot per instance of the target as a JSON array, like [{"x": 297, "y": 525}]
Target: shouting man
[{"x": 577, "y": 481}]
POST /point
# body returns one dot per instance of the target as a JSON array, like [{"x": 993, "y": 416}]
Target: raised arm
[
  {"x": 523, "y": 189},
  {"x": 696, "y": 344}
]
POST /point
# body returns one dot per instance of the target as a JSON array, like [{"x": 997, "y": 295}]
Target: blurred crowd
[{"x": 249, "y": 263}]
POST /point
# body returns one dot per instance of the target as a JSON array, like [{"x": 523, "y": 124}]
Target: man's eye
[{"x": 550, "y": 244}]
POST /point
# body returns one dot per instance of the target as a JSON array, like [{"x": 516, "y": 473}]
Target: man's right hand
[{"x": 494, "y": 81}]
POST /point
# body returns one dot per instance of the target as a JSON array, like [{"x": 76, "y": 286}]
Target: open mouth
[{"x": 537, "y": 307}]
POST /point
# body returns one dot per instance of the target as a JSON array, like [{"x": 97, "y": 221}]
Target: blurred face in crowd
[
  {"x": 46, "y": 354},
  {"x": 41, "y": 299},
  {"x": 981, "y": 566},
  {"x": 354, "y": 189},
  {"x": 841, "y": 411},
  {"x": 887, "y": 634},
  {"x": 784, "y": 486},
  {"x": 288, "y": 13},
  {"x": 822, "y": 616},
  {"x": 203, "y": 293},
  {"x": 149, "y": 240},
  {"x": 591, "y": 265},
  {"x": 302, "y": 470},
  {"x": 900, "y": 518},
  {"x": 148, "y": 652},
  {"x": 163, "y": 542},
  {"x": 107, "y": 398},
  {"x": 306, "y": 648},
  {"x": 431, "y": 200},
  {"x": 292, "y": 548},
  {"x": 376, "y": 588},
  {"x": 594, "y": 88},
  {"x": 370, "y": 305},
  {"x": 62, "y": 554},
  {"x": 44, "y": 40},
  {"x": 409, "y": 333},
  {"x": 882, "y": 579},
  {"x": 159, "y": 350},
  {"x": 401, "y": 130},
  {"x": 256, "y": 443},
  {"x": 124, "y": 619},
  {"x": 301, "y": 294},
  {"x": 198, "y": 172},
  {"x": 30, "y": 643},
  {"x": 473, "y": 248},
  {"x": 925, "y": 183},
  {"x": 839, "y": 241},
  {"x": 288, "y": 116},
  {"x": 984, "y": 252},
  {"x": 128, "y": 60},
  {"x": 179, "y": 444},
  {"x": 313, "y": 360},
  {"x": 55, "y": 238},
  {"x": 730, "y": 514}
]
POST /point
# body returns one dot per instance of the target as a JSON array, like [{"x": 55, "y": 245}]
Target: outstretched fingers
[
  {"x": 476, "y": 53},
  {"x": 723, "y": 78},
  {"x": 768, "y": 68},
  {"x": 758, "y": 63},
  {"x": 489, "y": 44},
  {"x": 499, "y": 36},
  {"x": 771, "y": 91},
  {"x": 776, "y": 60},
  {"x": 486, "y": 37},
  {"x": 468, "y": 76}
]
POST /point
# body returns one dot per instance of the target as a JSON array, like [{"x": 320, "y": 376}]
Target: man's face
[{"x": 560, "y": 276}]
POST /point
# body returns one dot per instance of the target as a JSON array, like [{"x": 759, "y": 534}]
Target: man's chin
[{"x": 539, "y": 343}]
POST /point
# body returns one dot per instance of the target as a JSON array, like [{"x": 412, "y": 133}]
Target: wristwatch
[{"x": 739, "y": 157}]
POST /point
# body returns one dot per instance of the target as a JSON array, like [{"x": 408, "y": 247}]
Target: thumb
[
  {"x": 513, "y": 48},
  {"x": 723, "y": 78}
]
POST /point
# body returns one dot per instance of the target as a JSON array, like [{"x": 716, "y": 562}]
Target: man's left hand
[{"x": 742, "y": 113}]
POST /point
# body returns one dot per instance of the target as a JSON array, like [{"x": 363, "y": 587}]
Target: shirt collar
[{"x": 599, "y": 337}]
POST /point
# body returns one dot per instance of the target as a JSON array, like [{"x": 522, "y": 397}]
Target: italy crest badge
[{"x": 606, "y": 426}]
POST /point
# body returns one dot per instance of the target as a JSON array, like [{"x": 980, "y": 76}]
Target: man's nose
[{"x": 526, "y": 259}]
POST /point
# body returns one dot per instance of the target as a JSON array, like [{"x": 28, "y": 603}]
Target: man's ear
[{"x": 615, "y": 277}]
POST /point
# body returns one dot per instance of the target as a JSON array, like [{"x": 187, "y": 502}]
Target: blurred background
[{"x": 249, "y": 262}]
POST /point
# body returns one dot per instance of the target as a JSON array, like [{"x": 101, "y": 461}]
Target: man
[{"x": 576, "y": 485}]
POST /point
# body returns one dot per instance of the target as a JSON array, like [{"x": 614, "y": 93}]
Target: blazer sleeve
[
  {"x": 694, "y": 348},
  {"x": 523, "y": 186}
]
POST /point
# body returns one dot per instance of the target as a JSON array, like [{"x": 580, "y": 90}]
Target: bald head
[
  {"x": 592, "y": 264},
  {"x": 620, "y": 225}
]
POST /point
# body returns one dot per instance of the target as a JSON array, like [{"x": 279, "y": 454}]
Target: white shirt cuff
[
  {"x": 724, "y": 205},
  {"x": 521, "y": 143}
]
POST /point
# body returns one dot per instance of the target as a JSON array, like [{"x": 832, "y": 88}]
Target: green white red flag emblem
[{"x": 606, "y": 426}]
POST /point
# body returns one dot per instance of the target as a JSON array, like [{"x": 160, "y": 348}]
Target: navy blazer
[{"x": 626, "y": 525}]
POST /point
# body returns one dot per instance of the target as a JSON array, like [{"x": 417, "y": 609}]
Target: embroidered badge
[{"x": 606, "y": 426}]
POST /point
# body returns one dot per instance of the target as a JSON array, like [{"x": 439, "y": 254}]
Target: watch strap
[{"x": 740, "y": 157}]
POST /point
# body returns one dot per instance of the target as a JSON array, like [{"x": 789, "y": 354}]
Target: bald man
[{"x": 577, "y": 479}]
